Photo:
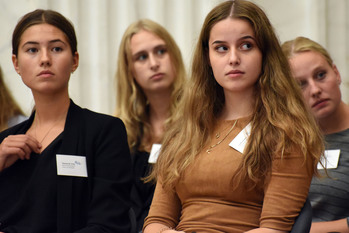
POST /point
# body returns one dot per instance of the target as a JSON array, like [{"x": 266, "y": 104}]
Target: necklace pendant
[{"x": 208, "y": 151}]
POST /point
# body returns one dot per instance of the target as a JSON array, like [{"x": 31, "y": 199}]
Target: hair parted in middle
[
  {"x": 303, "y": 44},
  {"x": 280, "y": 120},
  {"x": 131, "y": 101}
]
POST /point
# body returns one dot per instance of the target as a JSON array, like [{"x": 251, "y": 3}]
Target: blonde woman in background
[
  {"x": 10, "y": 112},
  {"x": 150, "y": 76},
  {"x": 241, "y": 154},
  {"x": 319, "y": 78}
]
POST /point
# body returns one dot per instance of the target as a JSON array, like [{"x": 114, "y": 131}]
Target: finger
[
  {"x": 21, "y": 145},
  {"x": 27, "y": 142}
]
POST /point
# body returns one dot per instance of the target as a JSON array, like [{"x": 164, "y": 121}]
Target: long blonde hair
[
  {"x": 131, "y": 101},
  {"x": 280, "y": 120},
  {"x": 8, "y": 106}
]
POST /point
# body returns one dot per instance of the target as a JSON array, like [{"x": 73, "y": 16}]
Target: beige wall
[{"x": 100, "y": 24}]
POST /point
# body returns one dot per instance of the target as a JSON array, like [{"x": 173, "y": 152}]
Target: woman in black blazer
[{"x": 65, "y": 169}]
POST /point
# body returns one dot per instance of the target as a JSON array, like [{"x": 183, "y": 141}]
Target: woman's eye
[
  {"x": 32, "y": 50},
  {"x": 246, "y": 46},
  {"x": 321, "y": 75},
  {"x": 57, "y": 49},
  {"x": 142, "y": 57},
  {"x": 302, "y": 83},
  {"x": 221, "y": 48},
  {"x": 161, "y": 51}
]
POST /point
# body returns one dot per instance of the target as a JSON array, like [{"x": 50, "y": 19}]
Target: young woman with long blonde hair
[
  {"x": 243, "y": 148},
  {"x": 150, "y": 76}
]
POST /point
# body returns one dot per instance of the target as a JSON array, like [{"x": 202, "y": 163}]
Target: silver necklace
[
  {"x": 220, "y": 141},
  {"x": 46, "y": 134}
]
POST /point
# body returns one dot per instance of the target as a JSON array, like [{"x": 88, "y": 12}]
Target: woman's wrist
[{"x": 163, "y": 229}]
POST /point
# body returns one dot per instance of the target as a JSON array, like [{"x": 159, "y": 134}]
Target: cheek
[
  {"x": 170, "y": 69},
  {"x": 306, "y": 95},
  {"x": 258, "y": 64},
  {"x": 216, "y": 66},
  {"x": 138, "y": 74},
  {"x": 137, "y": 70}
]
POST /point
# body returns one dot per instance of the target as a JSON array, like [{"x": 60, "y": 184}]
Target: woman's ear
[
  {"x": 338, "y": 75},
  {"x": 15, "y": 63},
  {"x": 75, "y": 61}
]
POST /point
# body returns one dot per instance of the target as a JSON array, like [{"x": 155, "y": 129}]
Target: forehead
[
  {"x": 41, "y": 33},
  {"x": 144, "y": 40},
  {"x": 308, "y": 60},
  {"x": 231, "y": 28},
  {"x": 305, "y": 64}
]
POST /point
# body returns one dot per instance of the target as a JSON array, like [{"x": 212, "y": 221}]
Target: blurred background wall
[{"x": 100, "y": 24}]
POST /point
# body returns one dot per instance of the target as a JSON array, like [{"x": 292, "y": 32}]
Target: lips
[
  {"x": 45, "y": 73},
  {"x": 319, "y": 103},
  {"x": 235, "y": 73},
  {"x": 157, "y": 76}
]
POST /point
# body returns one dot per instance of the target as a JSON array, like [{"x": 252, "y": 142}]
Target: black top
[
  {"x": 98, "y": 203},
  {"x": 31, "y": 197},
  {"x": 141, "y": 193}
]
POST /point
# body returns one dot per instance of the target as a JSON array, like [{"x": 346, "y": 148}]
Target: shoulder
[
  {"x": 100, "y": 118},
  {"x": 92, "y": 122},
  {"x": 16, "y": 120},
  {"x": 16, "y": 129},
  {"x": 83, "y": 114}
]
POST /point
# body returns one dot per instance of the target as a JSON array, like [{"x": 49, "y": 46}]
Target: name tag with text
[{"x": 71, "y": 165}]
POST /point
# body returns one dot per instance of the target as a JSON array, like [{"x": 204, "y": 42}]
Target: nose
[
  {"x": 45, "y": 58},
  {"x": 234, "y": 58},
  {"x": 314, "y": 89},
  {"x": 154, "y": 62}
]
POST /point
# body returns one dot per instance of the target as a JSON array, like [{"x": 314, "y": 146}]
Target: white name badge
[
  {"x": 330, "y": 160},
  {"x": 154, "y": 153},
  {"x": 239, "y": 142},
  {"x": 71, "y": 165}
]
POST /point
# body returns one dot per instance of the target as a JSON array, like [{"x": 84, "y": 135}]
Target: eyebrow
[
  {"x": 36, "y": 43},
  {"x": 160, "y": 46},
  {"x": 242, "y": 38}
]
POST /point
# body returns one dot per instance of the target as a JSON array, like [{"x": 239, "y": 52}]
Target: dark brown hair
[{"x": 40, "y": 16}]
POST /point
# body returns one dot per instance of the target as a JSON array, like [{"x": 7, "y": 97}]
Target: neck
[
  {"x": 50, "y": 109},
  {"x": 336, "y": 122},
  {"x": 237, "y": 105},
  {"x": 159, "y": 105}
]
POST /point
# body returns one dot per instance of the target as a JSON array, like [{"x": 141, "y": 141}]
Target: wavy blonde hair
[
  {"x": 280, "y": 120},
  {"x": 131, "y": 101},
  {"x": 8, "y": 106}
]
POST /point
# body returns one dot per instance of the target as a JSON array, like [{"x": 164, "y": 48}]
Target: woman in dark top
[
  {"x": 150, "y": 76},
  {"x": 319, "y": 78},
  {"x": 65, "y": 169}
]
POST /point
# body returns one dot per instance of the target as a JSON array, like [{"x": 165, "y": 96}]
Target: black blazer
[{"x": 100, "y": 202}]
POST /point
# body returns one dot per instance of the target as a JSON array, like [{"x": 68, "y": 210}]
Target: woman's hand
[
  {"x": 172, "y": 231},
  {"x": 159, "y": 228},
  {"x": 16, "y": 147},
  {"x": 265, "y": 230},
  {"x": 340, "y": 226}
]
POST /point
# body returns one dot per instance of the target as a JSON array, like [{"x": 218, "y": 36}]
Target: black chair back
[{"x": 302, "y": 223}]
